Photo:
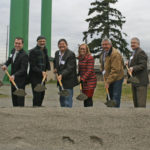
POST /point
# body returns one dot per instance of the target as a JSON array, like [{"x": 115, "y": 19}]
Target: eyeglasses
[{"x": 82, "y": 49}]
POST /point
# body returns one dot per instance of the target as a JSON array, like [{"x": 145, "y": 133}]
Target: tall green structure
[
  {"x": 19, "y": 23},
  {"x": 46, "y": 19}
]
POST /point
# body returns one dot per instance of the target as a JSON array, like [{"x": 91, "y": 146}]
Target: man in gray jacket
[{"x": 138, "y": 67}]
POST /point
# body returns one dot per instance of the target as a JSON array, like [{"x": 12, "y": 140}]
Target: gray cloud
[
  {"x": 137, "y": 20},
  {"x": 69, "y": 16}
]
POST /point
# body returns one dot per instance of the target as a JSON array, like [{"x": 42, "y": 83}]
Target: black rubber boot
[{"x": 88, "y": 102}]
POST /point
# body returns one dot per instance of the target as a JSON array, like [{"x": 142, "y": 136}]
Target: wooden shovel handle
[
  {"x": 107, "y": 91},
  {"x": 12, "y": 81},
  {"x": 128, "y": 70},
  {"x": 60, "y": 83},
  {"x": 43, "y": 78},
  {"x": 80, "y": 87}
]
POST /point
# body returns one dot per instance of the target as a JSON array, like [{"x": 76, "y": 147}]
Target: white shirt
[
  {"x": 60, "y": 58},
  {"x": 15, "y": 54}
]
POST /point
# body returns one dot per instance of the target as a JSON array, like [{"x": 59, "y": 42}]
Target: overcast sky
[{"x": 68, "y": 21}]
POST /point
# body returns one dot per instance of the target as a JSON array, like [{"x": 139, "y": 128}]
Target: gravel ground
[{"x": 55, "y": 128}]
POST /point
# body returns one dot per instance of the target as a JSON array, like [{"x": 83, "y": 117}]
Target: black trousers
[
  {"x": 88, "y": 102},
  {"x": 38, "y": 97},
  {"x": 18, "y": 101}
]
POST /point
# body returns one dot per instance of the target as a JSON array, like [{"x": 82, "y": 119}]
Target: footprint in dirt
[
  {"x": 18, "y": 138},
  {"x": 68, "y": 140},
  {"x": 95, "y": 139},
  {"x": 21, "y": 142}
]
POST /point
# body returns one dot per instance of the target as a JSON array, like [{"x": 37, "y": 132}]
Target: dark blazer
[
  {"x": 139, "y": 64},
  {"x": 38, "y": 64},
  {"x": 18, "y": 67},
  {"x": 67, "y": 69}
]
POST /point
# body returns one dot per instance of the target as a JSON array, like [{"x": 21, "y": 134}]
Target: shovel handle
[
  {"x": 128, "y": 71},
  {"x": 12, "y": 81},
  {"x": 60, "y": 83},
  {"x": 43, "y": 79},
  {"x": 107, "y": 91},
  {"x": 80, "y": 87}
]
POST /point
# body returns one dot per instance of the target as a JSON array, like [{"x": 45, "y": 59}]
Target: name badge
[
  {"x": 131, "y": 57},
  {"x": 62, "y": 62},
  {"x": 104, "y": 72}
]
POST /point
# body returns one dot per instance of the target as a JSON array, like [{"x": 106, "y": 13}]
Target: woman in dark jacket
[{"x": 87, "y": 74}]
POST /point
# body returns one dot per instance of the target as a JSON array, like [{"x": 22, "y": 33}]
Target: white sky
[{"x": 68, "y": 21}]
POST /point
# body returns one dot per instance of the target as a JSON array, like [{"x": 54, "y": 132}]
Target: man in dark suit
[
  {"x": 138, "y": 67},
  {"x": 39, "y": 64},
  {"x": 65, "y": 67},
  {"x": 19, "y": 63}
]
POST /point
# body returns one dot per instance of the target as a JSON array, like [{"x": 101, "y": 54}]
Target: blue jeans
[
  {"x": 115, "y": 90},
  {"x": 66, "y": 101}
]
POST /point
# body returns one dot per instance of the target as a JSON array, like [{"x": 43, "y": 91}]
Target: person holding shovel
[
  {"x": 65, "y": 69},
  {"x": 39, "y": 64},
  {"x": 112, "y": 67},
  {"x": 138, "y": 68},
  {"x": 87, "y": 75},
  {"x": 18, "y": 60}
]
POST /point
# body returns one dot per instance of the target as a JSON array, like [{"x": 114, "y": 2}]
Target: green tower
[
  {"x": 46, "y": 22},
  {"x": 19, "y": 22}
]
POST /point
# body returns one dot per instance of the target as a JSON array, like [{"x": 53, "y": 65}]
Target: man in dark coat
[
  {"x": 19, "y": 63},
  {"x": 65, "y": 67},
  {"x": 138, "y": 68},
  {"x": 39, "y": 64}
]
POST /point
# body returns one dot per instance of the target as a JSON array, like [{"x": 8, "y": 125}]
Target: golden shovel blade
[
  {"x": 63, "y": 93},
  {"x": 133, "y": 80},
  {"x": 20, "y": 92},
  {"x": 81, "y": 97},
  {"x": 40, "y": 88}
]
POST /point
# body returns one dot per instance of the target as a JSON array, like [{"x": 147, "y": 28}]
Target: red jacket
[{"x": 86, "y": 71}]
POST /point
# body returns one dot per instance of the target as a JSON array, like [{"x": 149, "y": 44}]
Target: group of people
[
  {"x": 112, "y": 67},
  {"x": 71, "y": 74},
  {"x": 37, "y": 62}
]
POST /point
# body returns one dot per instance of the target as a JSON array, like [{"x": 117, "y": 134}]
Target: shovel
[
  {"x": 18, "y": 92},
  {"x": 40, "y": 87},
  {"x": 132, "y": 79},
  {"x": 81, "y": 96},
  {"x": 63, "y": 91},
  {"x": 110, "y": 102}
]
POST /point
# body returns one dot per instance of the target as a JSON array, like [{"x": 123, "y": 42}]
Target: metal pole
[{"x": 7, "y": 42}]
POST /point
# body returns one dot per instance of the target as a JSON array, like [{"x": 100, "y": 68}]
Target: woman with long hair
[{"x": 87, "y": 74}]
